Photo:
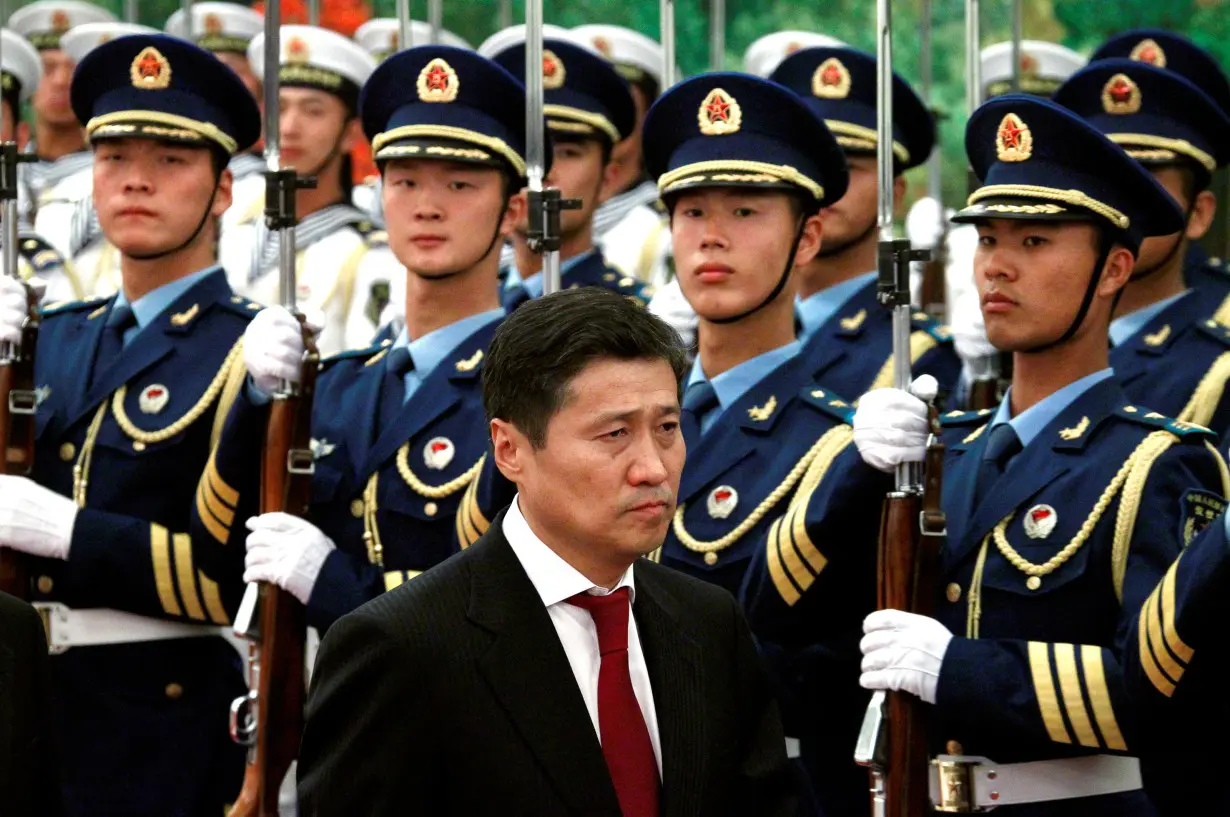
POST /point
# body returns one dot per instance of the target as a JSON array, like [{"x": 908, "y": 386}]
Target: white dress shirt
[{"x": 556, "y": 581}]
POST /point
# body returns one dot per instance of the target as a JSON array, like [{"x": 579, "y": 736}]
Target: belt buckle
[
  {"x": 50, "y": 612},
  {"x": 952, "y": 784}
]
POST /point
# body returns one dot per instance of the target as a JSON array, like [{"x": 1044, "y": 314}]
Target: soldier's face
[
  {"x": 151, "y": 196},
  {"x": 731, "y": 246},
  {"x": 314, "y": 129},
  {"x": 442, "y": 216},
  {"x": 51, "y": 100},
  {"x": 605, "y": 481},
  {"x": 577, "y": 170}
]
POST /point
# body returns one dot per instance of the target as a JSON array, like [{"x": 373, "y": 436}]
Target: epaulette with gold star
[
  {"x": 38, "y": 253},
  {"x": 828, "y": 402},
  {"x": 923, "y": 322},
  {"x": 370, "y": 355},
  {"x": 66, "y": 307},
  {"x": 1180, "y": 428},
  {"x": 240, "y": 305},
  {"x": 965, "y": 418},
  {"x": 1215, "y": 330}
]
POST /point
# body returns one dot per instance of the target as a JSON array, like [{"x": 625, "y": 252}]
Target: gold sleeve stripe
[
  {"x": 920, "y": 344},
  {"x": 213, "y": 600},
  {"x": 1099, "y": 697},
  {"x": 1162, "y": 652},
  {"x": 1044, "y": 689},
  {"x": 1147, "y": 660},
  {"x": 1176, "y": 644},
  {"x": 216, "y": 529},
  {"x": 160, "y": 555},
  {"x": 393, "y": 578},
  {"x": 777, "y": 570},
  {"x": 224, "y": 491},
  {"x": 467, "y": 531},
  {"x": 221, "y": 511},
  {"x": 187, "y": 576},
  {"x": 1073, "y": 700}
]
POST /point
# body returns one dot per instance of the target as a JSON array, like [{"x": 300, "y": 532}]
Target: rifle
[
  {"x": 892, "y": 742},
  {"x": 269, "y": 719},
  {"x": 933, "y": 295}
]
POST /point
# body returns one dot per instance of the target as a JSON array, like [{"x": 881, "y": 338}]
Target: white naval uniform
[
  {"x": 634, "y": 235},
  {"x": 69, "y": 180}
]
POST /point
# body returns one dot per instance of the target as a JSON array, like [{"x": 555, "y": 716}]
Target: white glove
[
  {"x": 669, "y": 304},
  {"x": 273, "y": 347},
  {"x": 287, "y": 551},
  {"x": 890, "y": 425},
  {"x": 13, "y": 309},
  {"x": 903, "y": 652},
  {"x": 34, "y": 519}
]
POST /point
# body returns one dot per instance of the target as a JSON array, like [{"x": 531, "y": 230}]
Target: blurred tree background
[{"x": 1078, "y": 24}]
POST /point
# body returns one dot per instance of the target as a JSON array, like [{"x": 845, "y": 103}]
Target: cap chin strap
[
  {"x": 1106, "y": 245},
  {"x": 781, "y": 281},
  {"x": 333, "y": 153},
  {"x": 200, "y": 225},
  {"x": 1174, "y": 250},
  {"x": 829, "y": 252}
]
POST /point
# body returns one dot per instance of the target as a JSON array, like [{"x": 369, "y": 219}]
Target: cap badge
[
  {"x": 1121, "y": 96},
  {"x": 722, "y": 501},
  {"x": 213, "y": 24},
  {"x": 1013, "y": 141},
  {"x": 394, "y": 41},
  {"x": 150, "y": 71},
  {"x": 60, "y": 22},
  {"x": 1150, "y": 52},
  {"x": 553, "y": 71},
  {"x": 1039, "y": 521},
  {"x": 603, "y": 45},
  {"x": 297, "y": 50},
  {"x": 438, "y": 82},
  {"x": 719, "y": 114},
  {"x": 1029, "y": 65},
  {"x": 831, "y": 80}
]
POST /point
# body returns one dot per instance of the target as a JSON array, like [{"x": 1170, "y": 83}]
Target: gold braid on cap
[{"x": 1073, "y": 197}]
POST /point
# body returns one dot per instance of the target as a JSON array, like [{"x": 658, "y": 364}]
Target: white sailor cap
[
  {"x": 85, "y": 38},
  {"x": 219, "y": 27},
  {"x": 1044, "y": 67},
  {"x": 634, "y": 54},
  {"x": 22, "y": 68},
  {"x": 381, "y": 37},
  {"x": 505, "y": 39},
  {"x": 43, "y": 23},
  {"x": 315, "y": 57},
  {"x": 764, "y": 55}
]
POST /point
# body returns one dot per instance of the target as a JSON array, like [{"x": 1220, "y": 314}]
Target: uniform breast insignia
[
  {"x": 852, "y": 323},
  {"x": 153, "y": 399},
  {"x": 1076, "y": 431},
  {"x": 1199, "y": 509},
  {"x": 438, "y": 453},
  {"x": 1039, "y": 521},
  {"x": 762, "y": 413},
  {"x": 321, "y": 448},
  {"x": 1159, "y": 337},
  {"x": 470, "y": 363},
  {"x": 184, "y": 318},
  {"x": 722, "y": 501}
]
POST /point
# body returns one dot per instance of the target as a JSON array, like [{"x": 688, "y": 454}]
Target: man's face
[
  {"x": 442, "y": 216},
  {"x": 1031, "y": 278},
  {"x": 313, "y": 128},
  {"x": 731, "y": 246},
  {"x": 51, "y": 100},
  {"x": 853, "y": 216},
  {"x": 607, "y": 477},
  {"x": 151, "y": 196},
  {"x": 1155, "y": 250},
  {"x": 578, "y": 172}
]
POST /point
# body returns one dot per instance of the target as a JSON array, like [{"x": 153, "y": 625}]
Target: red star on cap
[
  {"x": 1149, "y": 55},
  {"x": 548, "y": 67},
  {"x": 437, "y": 79},
  {"x": 719, "y": 109},
  {"x": 1121, "y": 91},
  {"x": 831, "y": 76},
  {"x": 149, "y": 66},
  {"x": 1011, "y": 135}
]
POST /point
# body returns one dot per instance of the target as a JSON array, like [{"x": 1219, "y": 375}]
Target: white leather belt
[
  {"x": 972, "y": 784},
  {"x": 100, "y": 626}
]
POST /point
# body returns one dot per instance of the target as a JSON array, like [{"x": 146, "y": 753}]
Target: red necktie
[{"x": 625, "y": 738}]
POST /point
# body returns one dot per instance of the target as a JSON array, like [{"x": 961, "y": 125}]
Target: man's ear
[
  {"x": 352, "y": 135},
  {"x": 514, "y": 214},
  {"x": 809, "y": 244},
  {"x": 1117, "y": 272},
  {"x": 1204, "y": 209},
  {"x": 223, "y": 197},
  {"x": 510, "y": 447}
]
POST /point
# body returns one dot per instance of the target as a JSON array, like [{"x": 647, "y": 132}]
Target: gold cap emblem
[
  {"x": 831, "y": 80},
  {"x": 1013, "y": 141},
  {"x": 394, "y": 41},
  {"x": 719, "y": 114},
  {"x": 603, "y": 45},
  {"x": 1149, "y": 51},
  {"x": 438, "y": 82},
  {"x": 1029, "y": 65},
  {"x": 553, "y": 71},
  {"x": 60, "y": 22},
  {"x": 1120, "y": 95},
  {"x": 150, "y": 71},
  {"x": 297, "y": 50},
  {"x": 213, "y": 24}
]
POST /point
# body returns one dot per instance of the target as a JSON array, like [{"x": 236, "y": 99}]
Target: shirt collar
[
  {"x": 1123, "y": 328},
  {"x": 533, "y": 284},
  {"x": 428, "y": 351},
  {"x": 1030, "y": 422},
  {"x": 554, "y": 579},
  {"x": 735, "y": 382},
  {"x": 817, "y": 308},
  {"x": 149, "y": 306}
]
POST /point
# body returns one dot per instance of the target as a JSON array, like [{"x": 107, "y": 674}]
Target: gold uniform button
[
  {"x": 67, "y": 452},
  {"x": 137, "y": 445},
  {"x": 174, "y": 691},
  {"x": 356, "y": 508},
  {"x": 1033, "y": 582},
  {"x": 953, "y": 592},
  {"x": 45, "y": 584},
  {"x": 431, "y": 509},
  {"x": 711, "y": 558}
]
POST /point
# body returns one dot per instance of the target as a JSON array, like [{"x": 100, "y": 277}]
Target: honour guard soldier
[
  {"x": 1065, "y": 505},
  {"x": 589, "y": 110},
  {"x": 22, "y": 71},
  {"x": 629, "y": 228},
  {"x": 321, "y": 73},
  {"x": 1173, "y": 52},
  {"x": 399, "y": 430},
  {"x": 848, "y": 336},
  {"x": 1171, "y": 344},
  {"x": 131, "y": 540},
  {"x": 226, "y": 30},
  {"x": 60, "y": 177}
]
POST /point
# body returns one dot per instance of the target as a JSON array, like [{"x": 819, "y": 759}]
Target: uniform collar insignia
[
  {"x": 1158, "y": 337},
  {"x": 853, "y": 322},
  {"x": 762, "y": 413},
  {"x": 470, "y": 363},
  {"x": 185, "y": 317},
  {"x": 1076, "y": 431}
]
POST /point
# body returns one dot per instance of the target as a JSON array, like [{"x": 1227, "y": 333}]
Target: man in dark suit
[
  {"x": 511, "y": 679},
  {"x": 27, "y": 780}
]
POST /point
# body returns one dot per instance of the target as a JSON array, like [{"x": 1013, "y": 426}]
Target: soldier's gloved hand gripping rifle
[
  {"x": 893, "y": 742},
  {"x": 269, "y": 719}
]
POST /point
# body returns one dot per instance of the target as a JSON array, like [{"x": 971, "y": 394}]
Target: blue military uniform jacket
[
  {"x": 1104, "y": 497},
  {"x": 142, "y": 726},
  {"x": 591, "y": 270},
  {"x": 1209, "y": 275},
  {"x": 851, "y": 352},
  {"x": 1179, "y": 362}
]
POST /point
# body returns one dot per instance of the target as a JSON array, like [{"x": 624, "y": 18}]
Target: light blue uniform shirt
[
  {"x": 533, "y": 284},
  {"x": 149, "y": 306},
  {"x": 816, "y": 309},
  {"x": 733, "y": 383},
  {"x": 1122, "y": 329},
  {"x": 435, "y": 346},
  {"x": 1030, "y": 422}
]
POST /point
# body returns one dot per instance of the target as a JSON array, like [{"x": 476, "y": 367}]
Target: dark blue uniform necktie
[
  {"x": 119, "y": 320},
  {"x": 699, "y": 399},
  {"x": 396, "y": 365},
  {"x": 1002, "y": 445}
]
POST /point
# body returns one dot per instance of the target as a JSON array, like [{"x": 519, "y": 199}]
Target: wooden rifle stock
[
  {"x": 17, "y": 407},
  {"x": 277, "y": 658}
]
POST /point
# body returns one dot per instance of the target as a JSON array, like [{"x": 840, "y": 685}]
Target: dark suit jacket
[
  {"x": 27, "y": 780},
  {"x": 451, "y": 695}
]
